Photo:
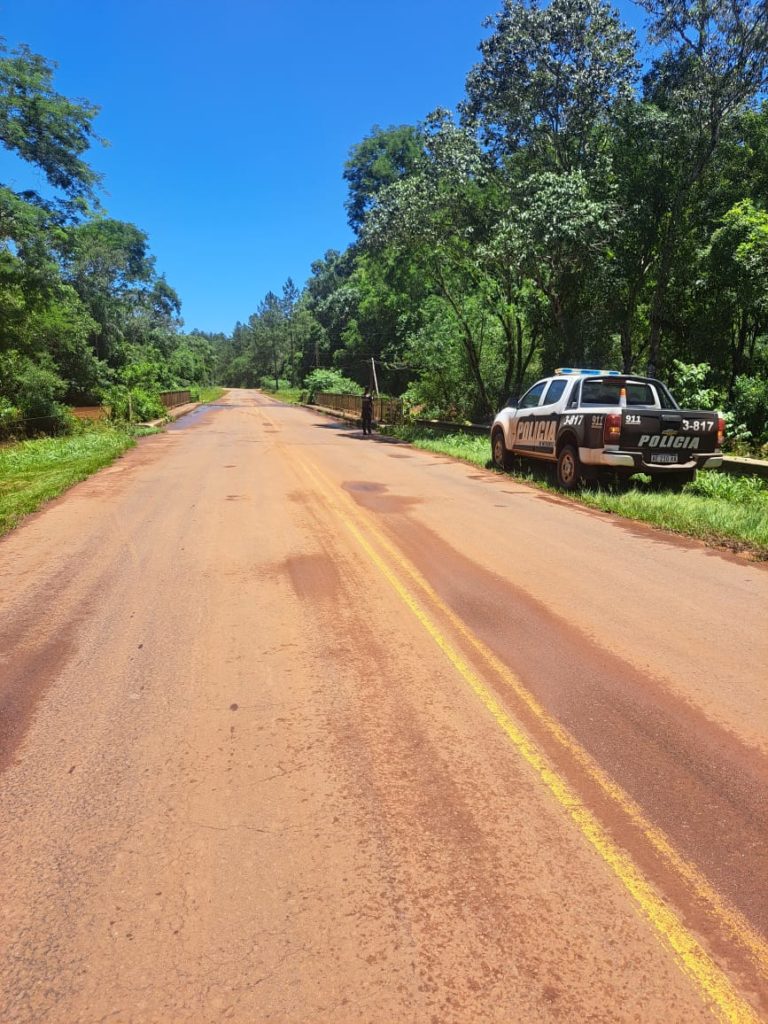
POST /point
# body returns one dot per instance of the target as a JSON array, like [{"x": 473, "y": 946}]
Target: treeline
[
  {"x": 84, "y": 314},
  {"x": 581, "y": 207}
]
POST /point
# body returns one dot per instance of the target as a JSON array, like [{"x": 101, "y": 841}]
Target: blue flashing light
[{"x": 573, "y": 370}]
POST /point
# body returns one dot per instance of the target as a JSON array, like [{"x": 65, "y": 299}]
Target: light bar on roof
[{"x": 573, "y": 370}]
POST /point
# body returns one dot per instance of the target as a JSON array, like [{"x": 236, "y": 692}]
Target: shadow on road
[{"x": 356, "y": 434}]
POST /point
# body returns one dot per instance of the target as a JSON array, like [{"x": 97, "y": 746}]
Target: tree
[
  {"x": 288, "y": 303},
  {"x": 44, "y": 326},
  {"x": 269, "y": 336},
  {"x": 549, "y": 79},
  {"x": 544, "y": 100},
  {"x": 738, "y": 263},
  {"x": 715, "y": 60},
  {"x": 444, "y": 220},
  {"x": 46, "y": 129},
  {"x": 382, "y": 158},
  {"x": 332, "y": 298},
  {"x": 80, "y": 300},
  {"x": 108, "y": 264}
]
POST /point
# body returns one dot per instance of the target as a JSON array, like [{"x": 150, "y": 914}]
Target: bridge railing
[
  {"x": 385, "y": 410},
  {"x": 171, "y": 399}
]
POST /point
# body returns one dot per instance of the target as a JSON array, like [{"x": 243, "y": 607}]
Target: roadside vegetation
[
  {"x": 721, "y": 510},
  {"x": 198, "y": 393},
  {"x": 316, "y": 382},
  {"x": 285, "y": 393},
  {"x": 34, "y": 471}
]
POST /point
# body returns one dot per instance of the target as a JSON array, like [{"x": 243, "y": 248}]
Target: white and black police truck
[{"x": 594, "y": 422}]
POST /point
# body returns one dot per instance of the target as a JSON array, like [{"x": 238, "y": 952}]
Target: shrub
[
  {"x": 34, "y": 390},
  {"x": 149, "y": 374},
  {"x": 11, "y": 420},
  {"x": 330, "y": 381},
  {"x": 740, "y": 490},
  {"x": 750, "y": 406},
  {"x": 268, "y": 383},
  {"x": 135, "y": 404},
  {"x": 689, "y": 386},
  {"x": 746, "y": 417}
]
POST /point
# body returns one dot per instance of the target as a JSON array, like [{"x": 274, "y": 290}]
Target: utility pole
[{"x": 375, "y": 381}]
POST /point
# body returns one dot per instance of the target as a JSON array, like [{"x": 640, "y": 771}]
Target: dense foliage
[
  {"x": 580, "y": 208},
  {"x": 84, "y": 315}
]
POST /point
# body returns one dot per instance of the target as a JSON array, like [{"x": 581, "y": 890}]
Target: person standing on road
[{"x": 367, "y": 411}]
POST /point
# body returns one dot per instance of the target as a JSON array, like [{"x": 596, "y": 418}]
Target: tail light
[
  {"x": 612, "y": 428},
  {"x": 720, "y": 430}
]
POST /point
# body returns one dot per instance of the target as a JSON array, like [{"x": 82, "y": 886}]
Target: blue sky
[{"x": 229, "y": 122}]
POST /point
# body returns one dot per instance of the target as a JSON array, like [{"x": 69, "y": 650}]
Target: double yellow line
[{"x": 713, "y": 983}]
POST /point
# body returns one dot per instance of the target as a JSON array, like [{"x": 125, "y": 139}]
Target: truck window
[
  {"x": 554, "y": 392},
  {"x": 666, "y": 401},
  {"x": 575, "y": 399},
  {"x": 532, "y": 396},
  {"x": 606, "y": 392}
]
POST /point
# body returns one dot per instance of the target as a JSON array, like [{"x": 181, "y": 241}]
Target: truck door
[{"x": 536, "y": 421}]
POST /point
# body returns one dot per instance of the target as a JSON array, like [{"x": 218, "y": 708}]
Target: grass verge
[
  {"x": 721, "y": 510},
  {"x": 205, "y": 395},
  {"x": 33, "y": 472},
  {"x": 290, "y": 395}
]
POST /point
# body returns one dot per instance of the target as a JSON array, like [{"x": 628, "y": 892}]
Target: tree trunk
[
  {"x": 627, "y": 357},
  {"x": 470, "y": 347}
]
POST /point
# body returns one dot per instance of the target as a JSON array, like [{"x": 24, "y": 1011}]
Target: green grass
[
  {"x": 200, "y": 394},
  {"x": 33, "y": 472},
  {"x": 722, "y": 510},
  {"x": 290, "y": 395}
]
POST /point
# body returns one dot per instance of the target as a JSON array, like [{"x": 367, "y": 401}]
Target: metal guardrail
[
  {"x": 385, "y": 410},
  {"x": 745, "y": 467},
  {"x": 171, "y": 399}
]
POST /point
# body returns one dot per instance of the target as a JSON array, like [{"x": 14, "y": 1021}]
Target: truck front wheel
[
  {"x": 502, "y": 458},
  {"x": 568, "y": 468}
]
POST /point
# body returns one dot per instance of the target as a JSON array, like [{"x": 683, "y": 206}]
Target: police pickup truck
[{"x": 590, "y": 422}]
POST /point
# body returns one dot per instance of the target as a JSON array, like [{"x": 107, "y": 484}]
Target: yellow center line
[
  {"x": 731, "y": 918},
  {"x": 690, "y": 955}
]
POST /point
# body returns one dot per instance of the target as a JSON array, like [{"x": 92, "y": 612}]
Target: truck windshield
[{"x": 606, "y": 392}]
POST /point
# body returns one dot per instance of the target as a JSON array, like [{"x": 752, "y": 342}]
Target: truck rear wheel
[{"x": 568, "y": 468}]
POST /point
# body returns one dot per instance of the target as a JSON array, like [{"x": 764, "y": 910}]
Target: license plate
[{"x": 667, "y": 457}]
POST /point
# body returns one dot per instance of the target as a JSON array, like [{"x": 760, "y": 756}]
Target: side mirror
[{"x": 512, "y": 402}]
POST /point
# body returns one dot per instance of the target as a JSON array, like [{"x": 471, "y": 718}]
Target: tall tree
[
  {"x": 108, "y": 264},
  {"x": 549, "y": 79},
  {"x": 383, "y": 157},
  {"x": 543, "y": 100},
  {"x": 46, "y": 129},
  {"x": 444, "y": 220},
  {"x": 289, "y": 302},
  {"x": 715, "y": 60}
]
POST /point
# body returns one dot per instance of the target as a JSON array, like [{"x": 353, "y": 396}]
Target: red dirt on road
[{"x": 290, "y": 720}]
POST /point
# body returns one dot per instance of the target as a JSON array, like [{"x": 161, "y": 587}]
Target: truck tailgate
[{"x": 668, "y": 437}]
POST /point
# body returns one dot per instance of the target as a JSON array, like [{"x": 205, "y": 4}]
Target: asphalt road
[{"x": 298, "y": 726}]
